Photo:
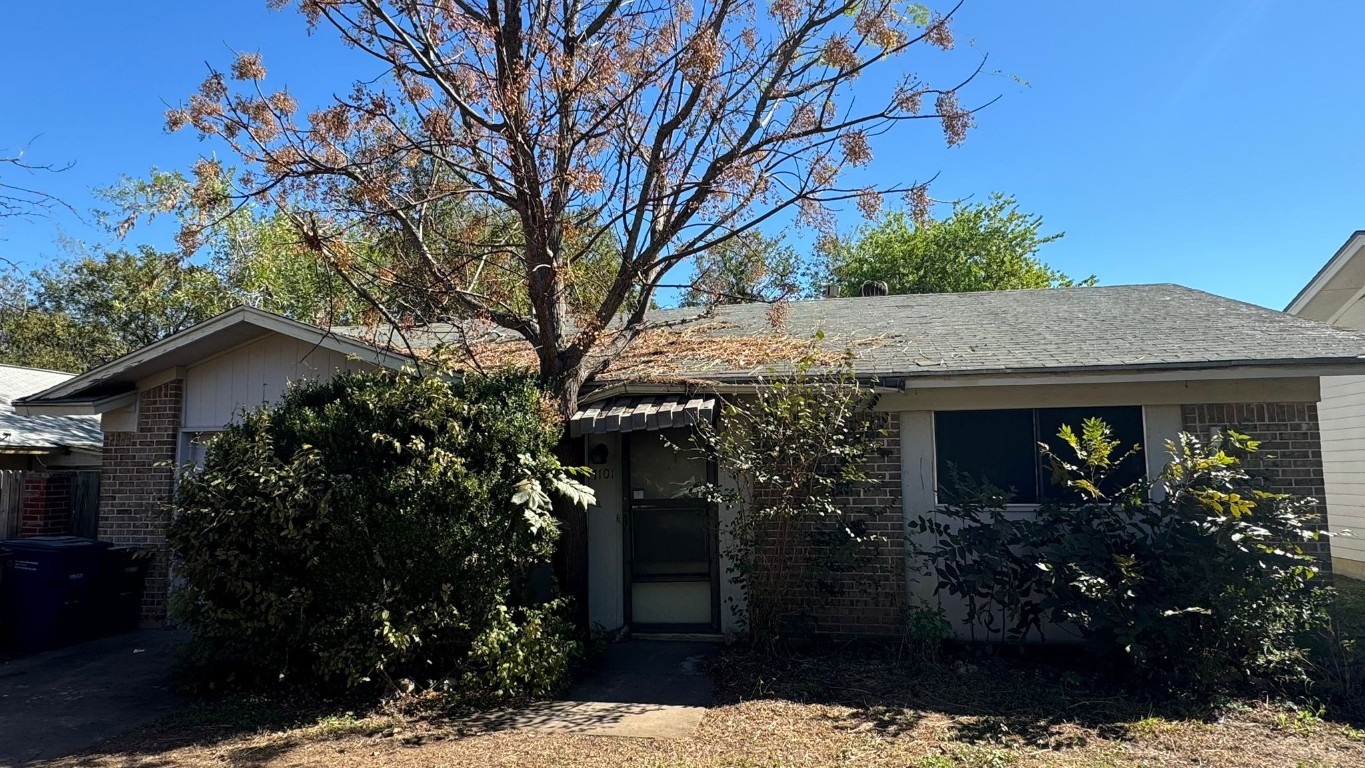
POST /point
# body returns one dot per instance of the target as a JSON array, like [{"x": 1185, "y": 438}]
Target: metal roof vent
[{"x": 875, "y": 288}]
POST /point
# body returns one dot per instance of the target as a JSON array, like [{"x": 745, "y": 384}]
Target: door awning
[{"x": 650, "y": 412}]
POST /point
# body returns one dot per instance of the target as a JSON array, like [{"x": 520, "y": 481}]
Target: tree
[
  {"x": 990, "y": 246},
  {"x": 662, "y": 129},
  {"x": 19, "y": 198},
  {"x": 798, "y": 447},
  {"x": 259, "y": 258},
  {"x": 749, "y": 268},
  {"x": 92, "y": 309}
]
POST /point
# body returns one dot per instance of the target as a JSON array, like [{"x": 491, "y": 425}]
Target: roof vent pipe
[{"x": 875, "y": 288}]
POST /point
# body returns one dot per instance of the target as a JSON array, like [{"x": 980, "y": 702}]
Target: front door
[{"x": 671, "y": 542}]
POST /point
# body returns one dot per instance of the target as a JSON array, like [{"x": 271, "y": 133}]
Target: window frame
[
  {"x": 1031, "y": 506},
  {"x": 185, "y": 438}
]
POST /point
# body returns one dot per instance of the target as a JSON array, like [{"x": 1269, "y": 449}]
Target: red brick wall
[
  {"x": 47, "y": 504},
  {"x": 1291, "y": 449},
  {"x": 137, "y": 480},
  {"x": 870, "y": 601},
  {"x": 861, "y": 596}
]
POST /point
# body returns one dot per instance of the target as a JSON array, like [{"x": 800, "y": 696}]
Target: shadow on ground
[
  {"x": 645, "y": 689},
  {"x": 57, "y": 703},
  {"x": 650, "y": 689},
  {"x": 1045, "y": 703}
]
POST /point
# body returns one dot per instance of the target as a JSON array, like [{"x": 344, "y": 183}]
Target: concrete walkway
[
  {"x": 642, "y": 688},
  {"x": 63, "y": 701}
]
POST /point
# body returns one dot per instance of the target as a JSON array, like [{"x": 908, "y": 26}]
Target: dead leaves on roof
[{"x": 668, "y": 354}]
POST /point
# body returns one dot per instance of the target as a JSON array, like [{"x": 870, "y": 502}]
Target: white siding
[
  {"x": 606, "y": 546},
  {"x": 220, "y": 388},
  {"x": 1341, "y": 415}
]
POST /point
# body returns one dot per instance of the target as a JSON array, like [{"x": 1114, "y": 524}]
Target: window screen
[
  {"x": 992, "y": 446},
  {"x": 1126, "y": 423},
  {"x": 1001, "y": 447},
  {"x": 670, "y": 539},
  {"x": 659, "y": 470}
]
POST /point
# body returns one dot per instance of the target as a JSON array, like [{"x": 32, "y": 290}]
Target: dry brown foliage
[{"x": 648, "y": 132}]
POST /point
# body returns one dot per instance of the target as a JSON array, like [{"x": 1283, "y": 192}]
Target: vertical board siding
[
  {"x": 1342, "y": 416},
  {"x": 218, "y": 390}
]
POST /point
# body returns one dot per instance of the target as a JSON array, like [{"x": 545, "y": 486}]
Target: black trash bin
[
  {"x": 118, "y": 590},
  {"x": 45, "y": 595}
]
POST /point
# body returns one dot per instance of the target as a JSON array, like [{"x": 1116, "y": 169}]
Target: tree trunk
[{"x": 561, "y": 377}]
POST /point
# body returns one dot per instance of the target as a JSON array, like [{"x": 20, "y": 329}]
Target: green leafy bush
[
  {"x": 372, "y": 528},
  {"x": 797, "y": 445},
  {"x": 522, "y": 652},
  {"x": 1204, "y": 587}
]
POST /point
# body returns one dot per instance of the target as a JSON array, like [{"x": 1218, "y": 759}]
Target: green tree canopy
[
  {"x": 988, "y": 246},
  {"x": 746, "y": 268},
  {"x": 91, "y": 309}
]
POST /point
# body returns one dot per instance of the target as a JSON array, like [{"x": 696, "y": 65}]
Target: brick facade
[
  {"x": 1291, "y": 450},
  {"x": 47, "y": 505},
  {"x": 862, "y": 595},
  {"x": 137, "y": 480}
]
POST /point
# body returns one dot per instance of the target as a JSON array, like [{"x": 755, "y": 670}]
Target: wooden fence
[
  {"x": 85, "y": 502},
  {"x": 11, "y": 501}
]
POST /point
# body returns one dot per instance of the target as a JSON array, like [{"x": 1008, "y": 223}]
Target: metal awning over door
[{"x": 650, "y": 412}]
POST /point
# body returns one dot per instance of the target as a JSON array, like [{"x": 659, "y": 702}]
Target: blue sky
[{"x": 1215, "y": 143}]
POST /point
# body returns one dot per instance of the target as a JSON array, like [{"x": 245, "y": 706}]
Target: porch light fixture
[{"x": 597, "y": 455}]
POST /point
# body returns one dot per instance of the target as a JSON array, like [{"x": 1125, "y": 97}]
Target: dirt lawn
[{"x": 846, "y": 710}]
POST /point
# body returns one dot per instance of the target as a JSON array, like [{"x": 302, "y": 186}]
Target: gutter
[{"x": 74, "y": 406}]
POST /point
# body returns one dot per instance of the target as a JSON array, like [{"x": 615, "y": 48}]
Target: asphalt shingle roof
[
  {"x": 1027, "y": 331},
  {"x": 1107, "y": 327},
  {"x": 41, "y": 431}
]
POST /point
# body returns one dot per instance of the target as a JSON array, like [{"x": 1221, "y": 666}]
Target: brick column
[
  {"x": 1290, "y": 458},
  {"x": 137, "y": 479},
  {"x": 46, "y": 507}
]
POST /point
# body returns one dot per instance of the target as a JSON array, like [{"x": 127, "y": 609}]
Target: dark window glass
[
  {"x": 1001, "y": 447},
  {"x": 995, "y": 446},
  {"x": 670, "y": 539},
  {"x": 1124, "y": 421}
]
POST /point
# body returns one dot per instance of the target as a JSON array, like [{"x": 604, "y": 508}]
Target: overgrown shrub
[
  {"x": 372, "y": 528},
  {"x": 1204, "y": 587},
  {"x": 795, "y": 446}
]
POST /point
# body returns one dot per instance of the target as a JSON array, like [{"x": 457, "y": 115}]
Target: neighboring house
[
  {"x": 46, "y": 441},
  {"x": 970, "y": 379},
  {"x": 49, "y": 465},
  {"x": 1334, "y": 296}
]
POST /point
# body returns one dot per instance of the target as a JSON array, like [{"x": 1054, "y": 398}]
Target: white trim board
[{"x": 243, "y": 318}]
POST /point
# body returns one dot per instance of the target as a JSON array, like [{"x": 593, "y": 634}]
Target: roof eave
[
  {"x": 903, "y": 379},
  {"x": 1344, "y": 254},
  {"x": 74, "y": 406},
  {"x": 62, "y": 398}
]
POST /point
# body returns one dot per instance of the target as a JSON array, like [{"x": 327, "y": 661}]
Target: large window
[{"x": 1001, "y": 447}]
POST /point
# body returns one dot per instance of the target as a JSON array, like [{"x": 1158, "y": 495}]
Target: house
[
  {"x": 47, "y": 441},
  {"x": 1334, "y": 296},
  {"x": 970, "y": 379},
  {"x": 49, "y": 465}
]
